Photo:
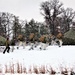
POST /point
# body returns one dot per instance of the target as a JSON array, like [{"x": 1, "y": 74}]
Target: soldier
[
  {"x": 60, "y": 36},
  {"x": 7, "y": 46},
  {"x": 60, "y": 42},
  {"x": 31, "y": 38},
  {"x": 43, "y": 42}
]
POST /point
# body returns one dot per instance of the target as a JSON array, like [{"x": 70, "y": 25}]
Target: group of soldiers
[
  {"x": 45, "y": 40},
  {"x": 34, "y": 41}
]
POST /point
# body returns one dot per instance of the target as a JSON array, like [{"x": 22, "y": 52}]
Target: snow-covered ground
[{"x": 53, "y": 56}]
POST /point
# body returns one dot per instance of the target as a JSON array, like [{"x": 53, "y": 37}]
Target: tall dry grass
[{"x": 40, "y": 69}]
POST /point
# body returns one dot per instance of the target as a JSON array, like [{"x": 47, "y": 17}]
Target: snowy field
[{"x": 53, "y": 57}]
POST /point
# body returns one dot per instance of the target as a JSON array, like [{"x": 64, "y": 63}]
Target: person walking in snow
[{"x": 7, "y": 46}]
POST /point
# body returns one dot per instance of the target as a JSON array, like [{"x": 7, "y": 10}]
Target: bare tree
[
  {"x": 51, "y": 10},
  {"x": 6, "y": 22},
  {"x": 56, "y": 16},
  {"x": 1, "y": 29},
  {"x": 67, "y": 18}
]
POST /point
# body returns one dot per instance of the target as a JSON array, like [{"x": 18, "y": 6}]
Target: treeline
[
  {"x": 57, "y": 19},
  {"x": 11, "y": 25}
]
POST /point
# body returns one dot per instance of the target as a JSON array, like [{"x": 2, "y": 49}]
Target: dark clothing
[{"x": 7, "y": 47}]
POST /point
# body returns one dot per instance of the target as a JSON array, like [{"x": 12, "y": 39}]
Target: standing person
[
  {"x": 31, "y": 38},
  {"x": 7, "y": 46},
  {"x": 43, "y": 42},
  {"x": 60, "y": 42}
]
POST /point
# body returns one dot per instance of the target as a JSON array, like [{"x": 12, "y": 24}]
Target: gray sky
[{"x": 28, "y": 9}]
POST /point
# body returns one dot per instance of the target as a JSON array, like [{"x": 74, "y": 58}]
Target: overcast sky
[{"x": 28, "y": 9}]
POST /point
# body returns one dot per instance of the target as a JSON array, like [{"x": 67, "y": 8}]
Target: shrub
[
  {"x": 2, "y": 41},
  {"x": 68, "y": 41}
]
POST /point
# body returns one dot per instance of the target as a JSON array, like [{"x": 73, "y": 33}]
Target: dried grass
[{"x": 43, "y": 69}]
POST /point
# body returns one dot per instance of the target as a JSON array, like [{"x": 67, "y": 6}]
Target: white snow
[{"x": 54, "y": 56}]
